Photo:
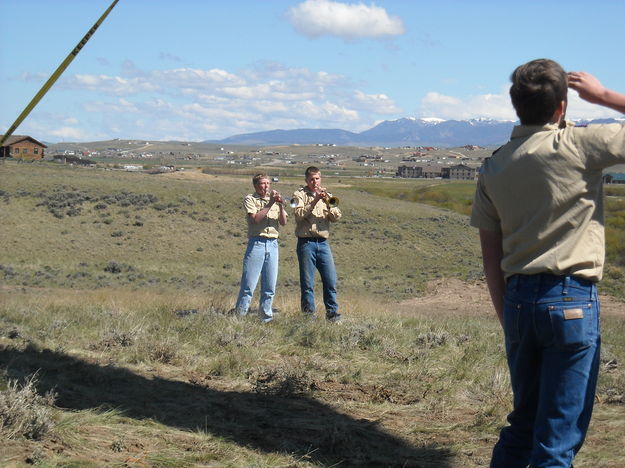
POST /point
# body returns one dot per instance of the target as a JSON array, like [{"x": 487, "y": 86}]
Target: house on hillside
[{"x": 22, "y": 147}]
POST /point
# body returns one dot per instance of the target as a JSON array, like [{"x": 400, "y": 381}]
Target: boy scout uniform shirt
[
  {"x": 544, "y": 192},
  {"x": 313, "y": 222},
  {"x": 269, "y": 226}
]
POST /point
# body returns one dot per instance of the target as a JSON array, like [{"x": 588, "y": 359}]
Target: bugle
[{"x": 331, "y": 201}]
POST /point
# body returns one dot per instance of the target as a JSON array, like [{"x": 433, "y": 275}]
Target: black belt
[{"x": 311, "y": 239}]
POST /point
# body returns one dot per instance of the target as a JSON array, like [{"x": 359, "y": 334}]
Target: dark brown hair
[
  {"x": 311, "y": 170},
  {"x": 537, "y": 89}
]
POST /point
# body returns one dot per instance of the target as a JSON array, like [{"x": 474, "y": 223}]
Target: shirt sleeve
[
  {"x": 334, "y": 214},
  {"x": 249, "y": 205},
  {"x": 484, "y": 214},
  {"x": 301, "y": 211},
  {"x": 602, "y": 145}
]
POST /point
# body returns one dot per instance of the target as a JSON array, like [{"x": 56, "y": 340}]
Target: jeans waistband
[
  {"x": 311, "y": 239},
  {"x": 543, "y": 281}
]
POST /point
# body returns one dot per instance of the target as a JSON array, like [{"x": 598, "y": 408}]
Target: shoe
[{"x": 334, "y": 318}]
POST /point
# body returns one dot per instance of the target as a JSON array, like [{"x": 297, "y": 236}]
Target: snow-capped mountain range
[{"x": 400, "y": 132}]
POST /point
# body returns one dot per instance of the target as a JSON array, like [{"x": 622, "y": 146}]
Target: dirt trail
[{"x": 454, "y": 297}]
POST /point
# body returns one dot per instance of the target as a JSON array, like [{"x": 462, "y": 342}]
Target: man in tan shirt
[
  {"x": 313, "y": 215},
  {"x": 538, "y": 206},
  {"x": 265, "y": 214}
]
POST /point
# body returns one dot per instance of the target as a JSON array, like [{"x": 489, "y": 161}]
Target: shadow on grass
[{"x": 302, "y": 426}]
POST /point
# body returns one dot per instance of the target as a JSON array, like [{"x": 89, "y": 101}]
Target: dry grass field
[{"x": 118, "y": 347}]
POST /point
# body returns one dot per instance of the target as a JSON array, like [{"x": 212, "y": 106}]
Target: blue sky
[{"x": 199, "y": 69}]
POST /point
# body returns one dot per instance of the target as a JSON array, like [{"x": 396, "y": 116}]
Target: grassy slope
[
  {"x": 151, "y": 370},
  {"x": 192, "y": 234}
]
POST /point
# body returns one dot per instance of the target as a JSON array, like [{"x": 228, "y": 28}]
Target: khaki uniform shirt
[
  {"x": 313, "y": 222},
  {"x": 268, "y": 227},
  {"x": 543, "y": 191}
]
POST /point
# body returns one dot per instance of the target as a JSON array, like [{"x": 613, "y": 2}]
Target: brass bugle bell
[
  {"x": 293, "y": 202},
  {"x": 331, "y": 201}
]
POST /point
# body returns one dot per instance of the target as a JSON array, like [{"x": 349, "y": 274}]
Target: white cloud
[
  {"x": 326, "y": 111},
  {"x": 378, "y": 103},
  {"x": 115, "y": 85},
  {"x": 273, "y": 90},
  {"x": 175, "y": 80},
  {"x": 499, "y": 107},
  {"x": 69, "y": 133},
  {"x": 490, "y": 106},
  {"x": 193, "y": 78},
  {"x": 315, "y": 18},
  {"x": 199, "y": 104},
  {"x": 579, "y": 109},
  {"x": 271, "y": 107}
]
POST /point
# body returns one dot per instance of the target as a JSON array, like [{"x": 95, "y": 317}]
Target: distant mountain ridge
[{"x": 400, "y": 132}]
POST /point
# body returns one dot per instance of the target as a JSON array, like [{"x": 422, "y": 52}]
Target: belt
[{"x": 311, "y": 239}]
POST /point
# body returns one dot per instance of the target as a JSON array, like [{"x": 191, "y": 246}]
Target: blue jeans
[
  {"x": 260, "y": 260},
  {"x": 552, "y": 333},
  {"x": 314, "y": 253}
]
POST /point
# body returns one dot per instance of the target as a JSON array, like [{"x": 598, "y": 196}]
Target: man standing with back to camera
[
  {"x": 539, "y": 209},
  {"x": 313, "y": 215}
]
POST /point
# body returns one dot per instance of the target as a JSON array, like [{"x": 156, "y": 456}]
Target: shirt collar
[
  {"x": 520, "y": 131},
  {"x": 255, "y": 194}
]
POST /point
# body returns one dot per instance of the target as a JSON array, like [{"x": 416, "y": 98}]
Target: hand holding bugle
[
  {"x": 330, "y": 200},
  {"x": 277, "y": 198}
]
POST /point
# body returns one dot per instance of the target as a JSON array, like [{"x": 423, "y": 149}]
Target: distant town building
[
  {"x": 614, "y": 178},
  {"x": 434, "y": 172},
  {"x": 73, "y": 160},
  {"x": 423, "y": 172},
  {"x": 409, "y": 171},
  {"x": 462, "y": 172},
  {"x": 22, "y": 147},
  {"x": 132, "y": 168}
]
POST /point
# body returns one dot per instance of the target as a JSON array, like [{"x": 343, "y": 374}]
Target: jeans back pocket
[{"x": 574, "y": 324}]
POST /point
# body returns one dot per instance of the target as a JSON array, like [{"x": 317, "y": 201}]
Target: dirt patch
[
  {"x": 612, "y": 306},
  {"x": 365, "y": 393},
  {"x": 453, "y": 296},
  {"x": 188, "y": 175}
]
